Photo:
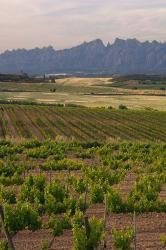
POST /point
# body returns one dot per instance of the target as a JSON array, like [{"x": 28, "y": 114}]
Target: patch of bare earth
[
  {"x": 126, "y": 185},
  {"x": 162, "y": 194}
]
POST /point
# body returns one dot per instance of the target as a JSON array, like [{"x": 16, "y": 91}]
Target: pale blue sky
[{"x": 65, "y": 23}]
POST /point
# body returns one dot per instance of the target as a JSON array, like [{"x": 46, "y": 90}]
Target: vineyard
[
  {"x": 65, "y": 195},
  {"x": 80, "y": 123}
]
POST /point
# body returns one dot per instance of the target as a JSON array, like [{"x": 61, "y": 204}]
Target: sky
[{"x": 66, "y": 23}]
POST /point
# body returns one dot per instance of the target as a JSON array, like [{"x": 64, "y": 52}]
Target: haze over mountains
[{"x": 122, "y": 57}]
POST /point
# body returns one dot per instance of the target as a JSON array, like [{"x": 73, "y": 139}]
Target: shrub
[
  {"x": 121, "y": 106},
  {"x": 96, "y": 233},
  {"x": 122, "y": 239},
  {"x": 57, "y": 190},
  {"x": 59, "y": 224},
  {"x": 7, "y": 169},
  {"x": 66, "y": 221},
  {"x": 54, "y": 195},
  {"x": 14, "y": 180},
  {"x": 33, "y": 189},
  {"x": 53, "y": 206},
  {"x": 97, "y": 193},
  {"x": 74, "y": 203},
  {"x": 110, "y": 107},
  {"x": 115, "y": 203},
  {"x": 81, "y": 241},
  {"x": 79, "y": 237},
  {"x": 7, "y": 196},
  {"x": 143, "y": 196},
  {"x": 78, "y": 219},
  {"x": 56, "y": 226},
  {"x": 20, "y": 217},
  {"x": 78, "y": 184}
]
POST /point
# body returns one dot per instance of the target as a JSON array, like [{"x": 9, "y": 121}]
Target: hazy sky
[{"x": 64, "y": 23}]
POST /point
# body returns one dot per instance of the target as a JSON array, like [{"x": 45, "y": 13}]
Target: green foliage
[
  {"x": 7, "y": 169},
  {"x": 143, "y": 197},
  {"x": 20, "y": 217},
  {"x": 14, "y": 180},
  {"x": 7, "y": 196},
  {"x": 48, "y": 148},
  {"x": 57, "y": 190},
  {"x": 33, "y": 189},
  {"x": 115, "y": 203},
  {"x": 44, "y": 245},
  {"x": 64, "y": 164},
  {"x": 81, "y": 241},
  {"x": 103, "y": 175},
  {"x": 163, "y": 239},
  {"x": 144, "y": 161},
  {"x": 55, "y": 193},
  {"x": 4, "y": 245},
  {"x": 85, "y": 154},
  {"x": 96, "y": 233},
  {"x": 78, "y": 219},
  {"x": 74, "y": 203},
  {"x": 110, "y": 107},
  {"x": 10, "y": 173},
  {"x": 57, "y": 225},
  {"x": 121, "y": 106},
  {"x": 78, "y": 184},
  {"x": 31, "y": 144},
  {"x": 66, "y": 221},
  {"x": 79, "y": 237},
  {"x": 97, "y": 193},
  {"x": 122, "y": 239},
  {"x": 8, "y": 149}
]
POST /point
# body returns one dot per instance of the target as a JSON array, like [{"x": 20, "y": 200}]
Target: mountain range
[{"x": 122, "y": 57}]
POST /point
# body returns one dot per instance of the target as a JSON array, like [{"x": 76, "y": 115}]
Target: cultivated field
[
  {"x": 90, "y": 92},
  {"x": 81, "y": 174},
  {"x": 131, "y": 101},
  {"x": 84, "y": 124},
  {"x": 47, "y": 188}
]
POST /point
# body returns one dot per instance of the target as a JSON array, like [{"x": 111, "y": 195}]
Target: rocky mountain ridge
[{"x": 122, "y": 57}]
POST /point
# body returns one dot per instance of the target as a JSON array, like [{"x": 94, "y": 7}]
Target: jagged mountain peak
[
  {"x": 124, "y": 56},
  {"x": 94, "y": 43},
  {"x": 23, "y": 50},
  {"x": 122, "y": 42}
]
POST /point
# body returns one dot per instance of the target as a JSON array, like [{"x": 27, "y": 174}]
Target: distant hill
[{"x": 122, "y": 57}]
